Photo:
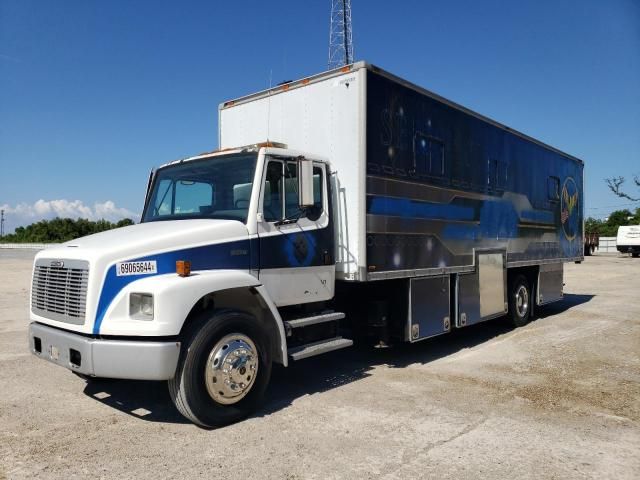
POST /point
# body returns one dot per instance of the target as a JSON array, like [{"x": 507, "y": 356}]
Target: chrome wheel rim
[
  {"x": 231, "y": 368},
  {"x": 522, "y": 301}
]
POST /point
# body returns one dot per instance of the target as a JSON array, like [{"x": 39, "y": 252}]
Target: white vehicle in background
[{"x": 628, "y": 240}]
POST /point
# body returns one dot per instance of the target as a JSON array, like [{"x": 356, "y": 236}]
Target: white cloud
[{"x": 24, "y": 214}]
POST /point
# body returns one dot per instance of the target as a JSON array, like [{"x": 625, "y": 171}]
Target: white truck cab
[{"x": 116, "y": 304}]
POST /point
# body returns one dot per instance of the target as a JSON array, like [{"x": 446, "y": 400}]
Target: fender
[{"x": 175, "y": 296}]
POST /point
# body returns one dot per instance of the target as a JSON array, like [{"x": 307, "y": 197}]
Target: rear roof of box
[{"x": 362, "y": 64}]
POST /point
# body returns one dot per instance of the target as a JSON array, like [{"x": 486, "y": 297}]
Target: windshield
[{"x": 214, "y": 187}]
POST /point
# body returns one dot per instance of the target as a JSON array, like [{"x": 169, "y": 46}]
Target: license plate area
[{"x": 62, "y": 349}]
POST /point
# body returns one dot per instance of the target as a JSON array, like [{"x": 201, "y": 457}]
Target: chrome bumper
[{"x": 135, "y": 360}]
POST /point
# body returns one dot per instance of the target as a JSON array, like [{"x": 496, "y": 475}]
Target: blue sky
[{"x": 93, "y": 94}]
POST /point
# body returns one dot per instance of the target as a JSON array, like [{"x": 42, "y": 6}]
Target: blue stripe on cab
[{"x": 232, "y": 255}]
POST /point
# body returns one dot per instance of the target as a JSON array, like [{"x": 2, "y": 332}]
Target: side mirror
[{"x": 305, "y": 182}]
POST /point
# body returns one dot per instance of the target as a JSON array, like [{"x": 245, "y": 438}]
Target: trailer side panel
[{"x": 442, "y": 183}]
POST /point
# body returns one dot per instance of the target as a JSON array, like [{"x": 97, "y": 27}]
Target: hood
[
  {"x": 208, "y": 244},
  {"x": 148, "y": 238}
]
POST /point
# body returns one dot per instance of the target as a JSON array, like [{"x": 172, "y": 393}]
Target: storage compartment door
[
  {"x": 482, "y": 294},
  {"x": 550, "y": 283},
  {"x": 429, "y": 306}
]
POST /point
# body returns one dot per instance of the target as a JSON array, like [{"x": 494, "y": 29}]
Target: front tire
[
  {"x": 223, "y": 371},
  {"x": 520, "y": 299}
]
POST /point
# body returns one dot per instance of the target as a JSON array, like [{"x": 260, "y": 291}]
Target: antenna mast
[{"x": 340, "y": 36}]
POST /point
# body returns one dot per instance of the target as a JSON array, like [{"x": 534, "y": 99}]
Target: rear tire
[
  {"x": 635, "y": 255},
  {"x": 520, "y": 301},
  {"x": 201, "y": 389}
]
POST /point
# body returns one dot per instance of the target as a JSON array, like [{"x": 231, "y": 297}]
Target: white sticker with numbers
[{"x": 136, "y": 268}]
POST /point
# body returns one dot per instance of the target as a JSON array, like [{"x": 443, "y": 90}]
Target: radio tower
[{"x": 340, "y": 36}]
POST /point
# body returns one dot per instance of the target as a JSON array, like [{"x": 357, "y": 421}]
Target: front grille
[{"x": 59, "y": 290}]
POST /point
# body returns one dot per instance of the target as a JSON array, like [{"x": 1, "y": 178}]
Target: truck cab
[{"x": 245, "y": 233}]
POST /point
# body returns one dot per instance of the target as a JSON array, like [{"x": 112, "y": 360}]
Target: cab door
[{"x": 296, "y": 247}]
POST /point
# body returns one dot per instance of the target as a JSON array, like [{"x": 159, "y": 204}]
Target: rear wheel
[
  {"x": 223, "y": 371},
  {"x": 635, "y": 255},
  {"x": 520, "y": 301}
]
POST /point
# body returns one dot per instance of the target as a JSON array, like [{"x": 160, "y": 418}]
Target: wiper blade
[{"x": 290, "y": 219}]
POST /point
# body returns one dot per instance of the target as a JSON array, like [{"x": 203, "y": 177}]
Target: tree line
[
  {"x": 609, "y": 227},
  {"x": 61, "y": 230}
]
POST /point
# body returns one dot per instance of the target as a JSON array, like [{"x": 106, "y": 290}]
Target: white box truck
[
  {"x": 350, "y": 204},
  {"x": 628, "y": 240}
]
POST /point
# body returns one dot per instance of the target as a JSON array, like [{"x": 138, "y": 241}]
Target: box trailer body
[
  {"x": 425, "y": 187},
  {"x": 402, "y": 153},
  {"x": 350, "y": 204},
  {"x": 628, "y": 240}
]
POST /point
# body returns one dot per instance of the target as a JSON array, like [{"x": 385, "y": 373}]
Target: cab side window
[{"x": 281, "y": 197}]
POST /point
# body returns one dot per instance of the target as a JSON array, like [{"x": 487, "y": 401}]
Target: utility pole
[
  {"x": 1, "y": 223},
  {"x": 340, "y": 34}
]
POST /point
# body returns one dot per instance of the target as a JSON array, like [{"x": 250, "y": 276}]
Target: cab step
[
  {"x": 289, "y": 325},
  {"x": 318, "y": 348}
]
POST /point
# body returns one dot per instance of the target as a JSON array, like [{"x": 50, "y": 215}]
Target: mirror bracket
[{"x": 305, "y": 182}]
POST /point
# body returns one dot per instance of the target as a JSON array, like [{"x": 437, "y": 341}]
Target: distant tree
[
  {"x": 61, "y": 230},
  {"x": 615, "y": 185},
  {"x": 125, "y": 222},
  {"x": 609, "y": 228},
  {"x": 592, "y": 225}
]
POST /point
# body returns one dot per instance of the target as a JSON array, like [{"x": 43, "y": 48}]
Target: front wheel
[
  {"x": 520, "y": 301},
  {"x": 223, "y": 370}
]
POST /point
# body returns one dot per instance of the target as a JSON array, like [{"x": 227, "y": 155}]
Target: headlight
[{"x": 141, "y": 306}]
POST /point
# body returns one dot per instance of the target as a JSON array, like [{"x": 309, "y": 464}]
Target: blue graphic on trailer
[
  {"x": 495, "y": 218},
  {"x": 571, "y": 218},
  {"x": 401, "y": 207}
]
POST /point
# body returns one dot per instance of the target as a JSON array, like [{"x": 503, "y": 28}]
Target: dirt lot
[{"x": 559, "y": 398}]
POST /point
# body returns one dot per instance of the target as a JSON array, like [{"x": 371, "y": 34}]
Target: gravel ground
[{"x": 559, "y": 398}]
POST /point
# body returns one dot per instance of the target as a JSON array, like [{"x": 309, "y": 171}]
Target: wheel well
[
  {"x": 531, "y": 272},
  {"x": 245, "y": 299}
]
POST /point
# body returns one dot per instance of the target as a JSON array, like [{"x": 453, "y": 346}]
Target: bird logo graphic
[{"x": 568, "y": 208}]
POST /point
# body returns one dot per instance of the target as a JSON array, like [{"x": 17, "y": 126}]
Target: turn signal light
[{"x": 183, "y": 268}]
